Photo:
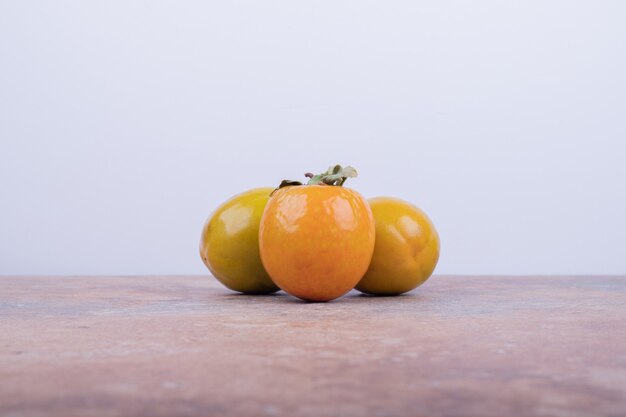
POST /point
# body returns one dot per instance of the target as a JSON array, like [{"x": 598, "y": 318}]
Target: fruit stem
[{"x": 335, "y": 175}]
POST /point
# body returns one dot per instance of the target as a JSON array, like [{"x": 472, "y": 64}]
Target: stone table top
[{"x": 185, "y": 346}]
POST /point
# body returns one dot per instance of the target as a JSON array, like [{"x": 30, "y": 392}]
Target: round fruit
[
  {"x": 406, "y": 251},
  {"x": 229, "y": 245},
  {"x": 316, "y": 241}
]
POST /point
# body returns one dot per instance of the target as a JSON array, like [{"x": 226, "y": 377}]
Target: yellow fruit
[{"x": 406, "y": 250}]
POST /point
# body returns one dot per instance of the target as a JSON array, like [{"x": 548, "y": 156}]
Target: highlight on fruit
[{"x": 317, "y": 240}]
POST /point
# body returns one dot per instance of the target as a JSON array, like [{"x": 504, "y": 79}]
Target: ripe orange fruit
[
  {"x": 406, "y": 251},
  {"x": 229, "y": 245},
  {"x": 316, "y": 241}
]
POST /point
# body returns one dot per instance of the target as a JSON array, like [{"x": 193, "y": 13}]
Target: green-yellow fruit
[{"x": 229, "y": 245}]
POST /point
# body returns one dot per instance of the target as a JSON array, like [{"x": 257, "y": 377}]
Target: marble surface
[{"x": 185, "y": 346}]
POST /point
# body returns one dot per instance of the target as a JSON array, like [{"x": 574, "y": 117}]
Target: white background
[{"x": 123, "y": 124}]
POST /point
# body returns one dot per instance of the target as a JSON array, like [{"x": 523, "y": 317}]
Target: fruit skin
[
  {"x": 406, "y": 251},
  {"x": 229, "y": 245},
  {"x": 316, "y": 241}
]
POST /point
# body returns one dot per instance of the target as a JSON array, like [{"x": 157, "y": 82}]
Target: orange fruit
[{"x": 316, "y": 241}]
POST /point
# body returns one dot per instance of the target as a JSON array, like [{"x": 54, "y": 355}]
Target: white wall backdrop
[{"x": 124, "y": 123}]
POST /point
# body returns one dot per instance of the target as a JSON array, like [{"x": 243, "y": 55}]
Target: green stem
[{"x": 335, "y": 175}]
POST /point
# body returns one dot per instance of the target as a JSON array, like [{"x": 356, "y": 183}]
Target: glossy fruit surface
[
  {"x": 229, "y": 245},
  {"x": 316, "y": 241},
  {"x": 406, "y": 251}
]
